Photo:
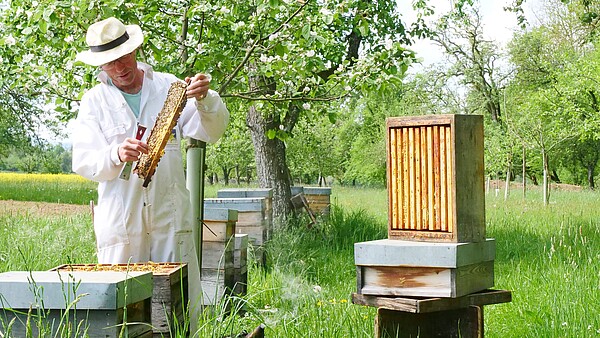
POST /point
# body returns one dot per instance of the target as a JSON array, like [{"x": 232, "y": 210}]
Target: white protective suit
[{"x": 132, "y": 223}]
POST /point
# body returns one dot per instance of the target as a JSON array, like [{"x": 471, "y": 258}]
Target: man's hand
[
  {"x": 198, "y": 86},
  {"x": 131, "y": 149}
]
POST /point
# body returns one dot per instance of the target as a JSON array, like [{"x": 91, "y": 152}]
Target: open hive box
[
  {"x": 169, "y": 292},
  {"x": 435, "y": 174},
  {"x": 107, "y": 305}
]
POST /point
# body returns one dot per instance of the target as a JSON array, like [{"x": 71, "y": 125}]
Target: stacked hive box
[
  {"x": 218, "y": 242},
  {"x": 99, "y": 302},
  {"x": 267, "y": 194},
  {"x": 240, "y": 265},
  {"x": 436, "y": 242},
  {"x": 252, "y": 220}
]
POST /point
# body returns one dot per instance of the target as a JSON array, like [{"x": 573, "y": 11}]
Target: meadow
[{"x": 546, "y": 255}]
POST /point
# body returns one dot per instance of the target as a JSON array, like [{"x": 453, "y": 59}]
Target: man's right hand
[{"x": 131, "y": 149}]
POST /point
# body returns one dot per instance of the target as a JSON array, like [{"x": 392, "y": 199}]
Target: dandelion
[
  {"x": 319, "y": 303},
  {"x": 343, "y": 301}
]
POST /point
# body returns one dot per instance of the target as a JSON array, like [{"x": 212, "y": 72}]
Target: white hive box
[{"x": 424, "y": 269}]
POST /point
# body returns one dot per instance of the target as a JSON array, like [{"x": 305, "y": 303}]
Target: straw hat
[{"x": 108, "y": 40}]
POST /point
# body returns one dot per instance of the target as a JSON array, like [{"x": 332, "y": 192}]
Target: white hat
[{"x": 108, "y": 40}]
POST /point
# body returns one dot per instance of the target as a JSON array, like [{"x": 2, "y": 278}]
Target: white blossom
[
  {"x": 225, "y": 10},
  {"x": 310, "y": 53},
  {"x": 273, "y": 36},
  {"x": 388, "y": 44},
  {"x": 69, "y": 38},
  {"x": 54, "y": 81},
  {"x": 10, "y": 40},
  {"x": 317, "y": 289},
  {"x": 306, "y": 89},
  {"x": 325, "y": 12},
  {"x": 27, "y": 58},
  {"x": 347, "y": 88},
  {"x": 29, "y": 14},
  {"x": 1, "y": 59},
  {"x": 263, "y": 58},
  {"x": 306, "y": 106},
  {"x": 69, "y": 65}
]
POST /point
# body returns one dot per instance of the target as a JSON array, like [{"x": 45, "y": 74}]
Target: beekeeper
[{"x": 132, "y": 223}]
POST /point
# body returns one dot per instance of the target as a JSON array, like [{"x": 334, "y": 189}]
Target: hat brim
[{"x": 136, "y": 38}]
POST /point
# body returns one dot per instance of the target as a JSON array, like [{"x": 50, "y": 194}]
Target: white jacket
[{"x": 132, "y": 223}]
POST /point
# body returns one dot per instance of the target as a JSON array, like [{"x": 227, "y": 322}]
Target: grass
[{"x": 546, "y": 255}]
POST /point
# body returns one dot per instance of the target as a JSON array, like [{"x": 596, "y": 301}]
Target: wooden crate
[
  {"x": 94, "y": 300},
  {"x": 435, "y": 176},
  {"x": 267, "y": 194},
  {"x": 169, "y": 292},
  {"x": 424, "y": 269}
]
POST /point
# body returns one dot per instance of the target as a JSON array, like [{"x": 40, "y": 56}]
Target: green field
[{"x": 546, "y": 255}]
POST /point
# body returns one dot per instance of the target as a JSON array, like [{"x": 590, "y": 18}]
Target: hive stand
[{"x": 400, "y": 317}]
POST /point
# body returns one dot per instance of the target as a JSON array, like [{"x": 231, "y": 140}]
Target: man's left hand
[{"x": 198, "y": 86}]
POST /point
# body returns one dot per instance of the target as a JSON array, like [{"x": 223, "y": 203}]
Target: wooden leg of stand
[{"x": 464, "y": 323}]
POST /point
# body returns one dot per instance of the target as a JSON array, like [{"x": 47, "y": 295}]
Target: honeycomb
[
  {"x": 154, "y": 267},
  {"x": 159, "y": 136}
]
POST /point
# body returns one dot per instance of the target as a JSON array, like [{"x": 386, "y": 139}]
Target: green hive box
[{"x": 95, "y": 304}]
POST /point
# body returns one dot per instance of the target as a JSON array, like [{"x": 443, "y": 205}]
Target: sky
[{"x": 499, "y": 25}]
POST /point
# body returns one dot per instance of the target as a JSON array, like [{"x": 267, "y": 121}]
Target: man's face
[{"x": 122, "y": 71}]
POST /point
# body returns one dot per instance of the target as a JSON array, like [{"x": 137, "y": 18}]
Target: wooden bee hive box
[
  {"x": 251, "y": 219},
  {"x": 435, "y": 178},
  {"x": 169, "y": 291},
  {"x": 218, "y": 244},
  {"x": 98, "y": 302},
  {"x": 319, "y": 199},
  {"x": 424, "y": 269},
  {"x": 267, "y": 194}
]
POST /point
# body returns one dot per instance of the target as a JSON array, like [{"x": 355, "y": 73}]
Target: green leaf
[
  {"x": 274, "y": 3},
  {"x": 271, "y": 133},
  {"x": 43, "y": 27},
  {"x": 332, "y": 117}
]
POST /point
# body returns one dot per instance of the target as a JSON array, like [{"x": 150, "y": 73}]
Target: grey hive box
[
  {"x": 424, "y": 269},
  {"x": 105, "y": 301}
]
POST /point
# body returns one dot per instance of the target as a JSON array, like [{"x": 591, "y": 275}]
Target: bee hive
[
  {"x": 435, "y": 178},
  {"x": 169, "y": 291},
  {"x": 106, "y": 304}
]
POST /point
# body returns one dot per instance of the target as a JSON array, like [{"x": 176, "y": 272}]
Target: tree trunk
[
  {"x": 591, "y": 172},
  {"x": 271, "y": 166},
  {"x": 225, "y": 175},
  {"x": 524, "y": 172},
  {"x": 546, "y": 174}
]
